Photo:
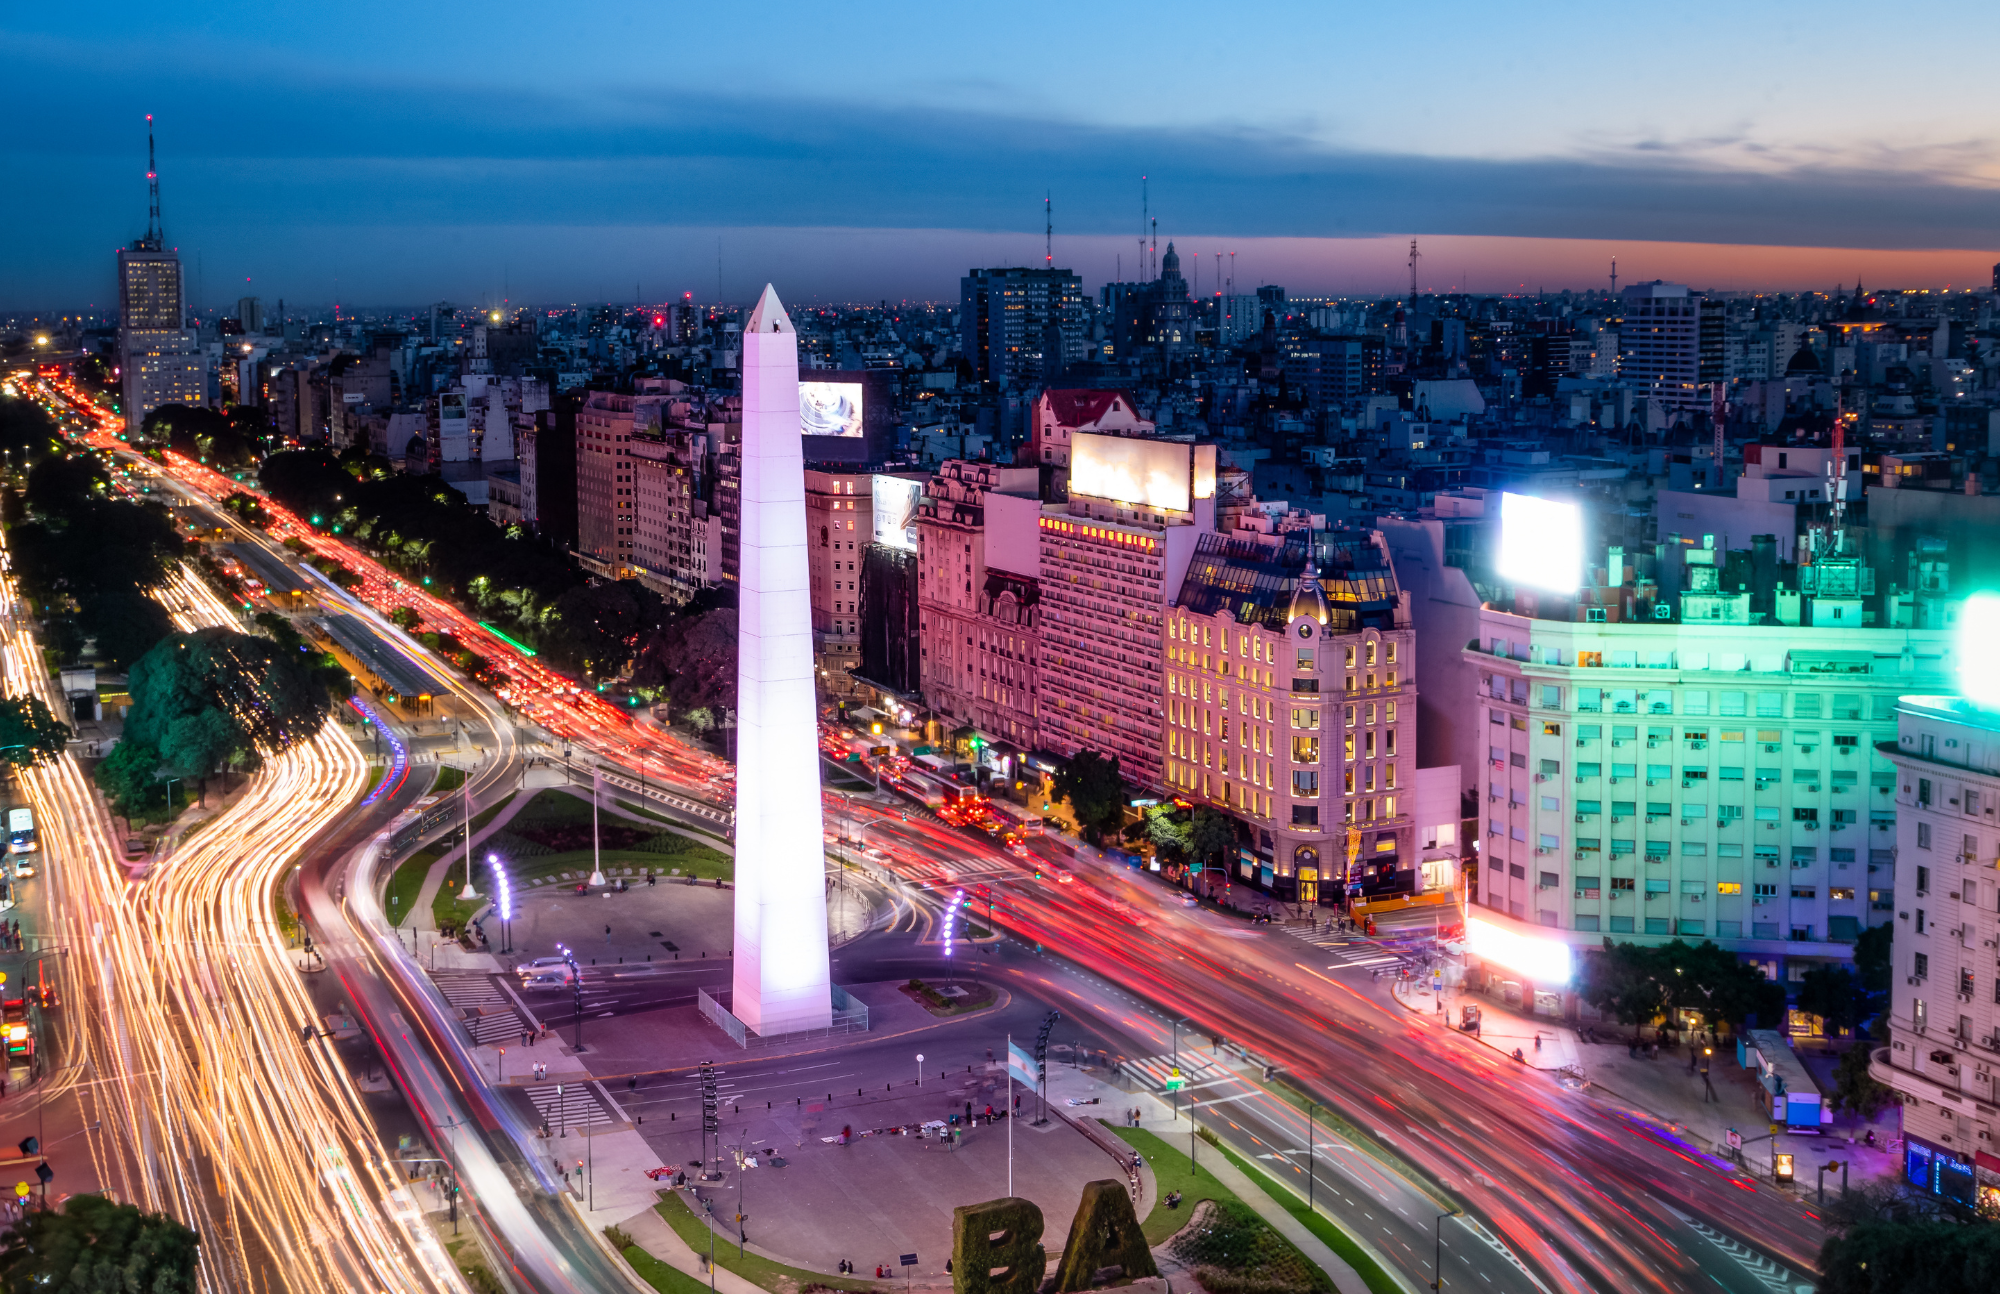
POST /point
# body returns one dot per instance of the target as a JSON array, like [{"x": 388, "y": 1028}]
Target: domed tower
[{"x": 1309, "y": 600}]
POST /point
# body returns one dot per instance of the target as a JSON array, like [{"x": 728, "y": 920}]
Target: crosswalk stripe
[{"x": 1155, "y": 1070}]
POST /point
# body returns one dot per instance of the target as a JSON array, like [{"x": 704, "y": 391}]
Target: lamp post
[
  {"x": 1311, "y": 1106},
  {"x": 1437, "y": 1250},
  {"x": 505, "y": 905}
]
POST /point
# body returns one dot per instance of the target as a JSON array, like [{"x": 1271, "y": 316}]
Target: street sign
[
  {"x": 21, "y": 1189},
  {"x": 1735, "y": 1139},
  {"x": 1174, "y": 1080},
  {"x": 909, "y": 1260}
]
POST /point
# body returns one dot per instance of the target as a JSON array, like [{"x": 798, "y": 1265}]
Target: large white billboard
[
  {"x": 1545, "y": 961},
  {"x": 895, "y": 502},
  {"x": 1156, "y": 473},
  {"x": 830, "y": 409},
  {"x": 1541, "y": 543}
]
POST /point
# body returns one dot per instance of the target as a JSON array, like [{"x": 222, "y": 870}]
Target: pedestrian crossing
[
  {"x": 567, "y": 1105},
  {"x": 488, "y": 1014},
  {"x": 1346, "y": 949},
  {"x": 1154, "y": 1071},
  {"x": 1772, "y": 1276}
]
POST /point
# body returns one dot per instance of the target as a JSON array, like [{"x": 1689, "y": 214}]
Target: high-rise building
[
  {"x": 1004, "y": 314},
  {"x": 1944, "y": 998},
  {"x": 1291, "y": 705},
  {"x": 604, "y": 499},
  {"x": 1693, "y": 780},
  {"x": 159, "y": 362},
  {"x": 1112, "y": 560},
  {"x": 1659, "y": 342},
  {"x": 840, "y": 524},
  {"x": 978, "y": 590}
]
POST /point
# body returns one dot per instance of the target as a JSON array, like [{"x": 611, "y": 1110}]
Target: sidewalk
[
  {"x": 1544, "y": 1044},
  {"x": 1666, "y": 1098}
]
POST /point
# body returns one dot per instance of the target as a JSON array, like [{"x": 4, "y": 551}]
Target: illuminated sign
[
  {"x": 895, "y": 503},
  {"x": 1541, "y": 543},
  {"x": 1978, "y": 629},
  {"x": 1155, "y": 473},
  {"x": 830, "y": 409},
  {"x": 1545, "y": 961}
]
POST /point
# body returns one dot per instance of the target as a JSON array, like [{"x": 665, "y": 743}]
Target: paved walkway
[{"x": 1543, "y": 1044}]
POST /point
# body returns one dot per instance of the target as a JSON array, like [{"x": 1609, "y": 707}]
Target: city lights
[
  {"x": 1545, "y": 961},
  {"x": 1541, "y": 543},
  {"x": 1978, "y": 631}
]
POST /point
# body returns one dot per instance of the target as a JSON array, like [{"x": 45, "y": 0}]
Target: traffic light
[{"x": 44, "y": 1172}]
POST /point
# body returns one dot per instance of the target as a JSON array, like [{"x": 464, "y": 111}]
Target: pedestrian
[{"x": 1538, "y": 1040}]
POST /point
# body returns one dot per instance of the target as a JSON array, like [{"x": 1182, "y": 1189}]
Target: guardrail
[{"x": 652, "y": 791}]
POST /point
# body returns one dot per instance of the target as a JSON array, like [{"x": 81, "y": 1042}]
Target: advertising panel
[
  {"x": 1156, "y": 473},
  {"x": 1544, "y": 961},
  {"x": 895, "y": 502},
  {"x": 1541, "y": 543},
  {"x": 830, "y": 409}
]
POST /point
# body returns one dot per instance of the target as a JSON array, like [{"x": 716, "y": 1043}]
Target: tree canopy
[
  {"x": 1636, "y": 984},
  {"x": 29, "y": 731},
  {"x": 205, "y": 699},
  {"x": 94, "y": 1244},
  {"x": 224, "y": 441},
  {"x": 1090, "y": 781}
]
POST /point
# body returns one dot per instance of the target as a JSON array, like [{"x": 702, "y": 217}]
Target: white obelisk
[{"x": 781, "y": 977}]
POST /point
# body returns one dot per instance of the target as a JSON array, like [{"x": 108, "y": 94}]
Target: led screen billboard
[
  {"x": 1156, "y": 473},
  {"x": 1545, "y": 961},
  {"x": 895, "y": 502},
  {"x": 1541, "y": 543},
  {"x": 830, "y": 409}
]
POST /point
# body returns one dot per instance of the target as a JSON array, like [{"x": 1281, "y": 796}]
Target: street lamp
[
  {"x": 506, "y": 902},
  {"x": 1437, "y": 1250}
]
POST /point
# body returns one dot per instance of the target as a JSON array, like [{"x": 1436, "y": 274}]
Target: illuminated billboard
[
  {"x": 830, "y": 409},
  {"x": 1544, "y": 961},
  {"x": 895, "y": 502},
  {"x": 1978, "y": 630},
  {"x": 1541, "y": 543},
  {"x": 1155, "y": 473}
]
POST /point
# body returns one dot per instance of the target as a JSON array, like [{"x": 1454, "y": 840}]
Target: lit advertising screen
[
  {"x": 895, "y": 503},
  {"x": 1155, "y": 473},
  {"x": 1545, "y": 961},
  {"x": 830, "y": 409},
  {"x": 1541, "y": 543},
  {"x": 1978, "y": 630}
]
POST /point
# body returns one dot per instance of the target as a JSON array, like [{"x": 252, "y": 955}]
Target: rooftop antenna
[
  {"x": 156, "y": 231},
  {"x": 1414, "y": 254},
  {"x": 1048, "y": 233},
  {"x": 1153, "y": 266},
  {"x": 1145, "y": 214},
  {"x": 1614, "y": 276}
]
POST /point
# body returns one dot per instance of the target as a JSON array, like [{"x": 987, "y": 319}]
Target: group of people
[{"x": 11, "y": 937}]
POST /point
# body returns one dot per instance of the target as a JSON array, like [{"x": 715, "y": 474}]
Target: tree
[
  {"x": 126, "y": 623},
  {"x": 1623, "y": 982},
  {"x": 257, "y": 692},
  {"x": 1211, "y": 836},
  {"x": 1888, "y": 1236},
  {"x": 94, "y": 1244},
  {"x": 29, "y": 732},
  {"x": 61, "y": 485},
  {"x": 1854, "y": 1088},
  {"x": 1096, "y": 792},
  {"x": 1871, "y": 964},
  {"x": 1834, "y": 994},
  {"x": 129, "y": 777}
]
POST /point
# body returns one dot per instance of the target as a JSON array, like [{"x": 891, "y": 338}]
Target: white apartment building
[
  {"x": 840, "y": 524},
  {"x": 1693, "y": 780},
  {"x": 1944, "y": 1014}
]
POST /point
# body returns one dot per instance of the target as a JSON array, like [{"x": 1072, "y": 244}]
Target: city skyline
[{"x": 567, "y": 168}]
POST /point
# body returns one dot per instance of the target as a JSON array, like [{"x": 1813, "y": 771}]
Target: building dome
[
  {"x": 1310, "y": 599},
  {"x": 1804, "y": 364}
]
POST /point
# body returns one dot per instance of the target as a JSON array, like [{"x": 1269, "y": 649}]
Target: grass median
[
  {"x": 1330, "y": 1233},
  {"x": 760, "y": 1271}
]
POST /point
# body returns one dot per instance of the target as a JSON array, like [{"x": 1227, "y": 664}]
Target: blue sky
[{"x": 560, "y": 152}]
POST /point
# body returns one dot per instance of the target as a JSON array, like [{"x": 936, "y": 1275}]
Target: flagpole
[{"x": 1010, "y": 1115}]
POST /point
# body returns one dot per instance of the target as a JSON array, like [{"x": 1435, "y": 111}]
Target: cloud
[{"x": 380, "y": 167}]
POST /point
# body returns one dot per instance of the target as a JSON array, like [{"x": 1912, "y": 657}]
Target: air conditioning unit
[
  {"x": 1650, "y": 782},
  {"x": 1541, "y": 777},
  {"x": 1687, "y": 822},
  {"x": 1770, "y": 749},
  {"x": 1615, "y": 818},
  {"x": 1579, "y": 741},
  {"x": 1615, "y": 743},
  {"x": 1652, "y": 745},
  {"x": 1651, "y": 819},
  {"x": 1580, "y": 817},
  {"x": 1616, "y": 780},
  {"x": 1579, "y": 777},
  {"x": 1810, "y": 826},
  {"x": 1915, "y": 980},
  {"x": 1540, "y": 850},
  {"x": 1965, "y": 997}
]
